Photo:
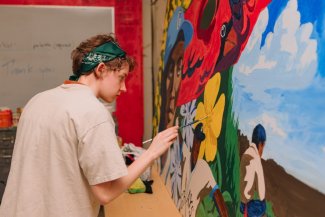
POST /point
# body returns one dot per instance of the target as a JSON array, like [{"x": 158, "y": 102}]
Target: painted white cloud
[
  {"x": 270, "y": 123},
  {"x": 287, "y": 61},
  {"x": 261, "y": 64},
  {"x": 288, "y": 24}
]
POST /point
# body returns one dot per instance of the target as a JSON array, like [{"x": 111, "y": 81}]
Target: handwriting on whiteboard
[
  {"x": 11, "y": 67},
  {"x": 5, "y": 45},
  {"x": 52, "y": 45}
]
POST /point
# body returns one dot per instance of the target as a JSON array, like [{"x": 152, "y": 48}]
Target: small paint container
[{"x": 5, "y": 118}]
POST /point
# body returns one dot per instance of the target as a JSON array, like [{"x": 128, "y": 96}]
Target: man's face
[
  {"x": 113, "y": 83},
  {"x": 174, "y": 72}
]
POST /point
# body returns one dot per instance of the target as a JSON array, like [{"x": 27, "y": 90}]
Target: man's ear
[{"x": 99, "y": 70}]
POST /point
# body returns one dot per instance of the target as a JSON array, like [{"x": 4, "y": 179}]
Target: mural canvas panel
[{"x": 249, "y": 75}]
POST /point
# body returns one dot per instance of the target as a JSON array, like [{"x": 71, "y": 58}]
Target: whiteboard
[{"x": 36, "y": 44}]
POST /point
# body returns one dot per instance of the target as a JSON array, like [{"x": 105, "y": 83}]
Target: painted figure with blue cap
[
  {"x": 179, "y": 34},
  {"x": 252, "y": 176}
]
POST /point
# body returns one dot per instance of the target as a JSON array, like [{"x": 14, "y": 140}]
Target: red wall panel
[
  {"x": 129, "y": 110},
  {"x": 128, "y": 29}
]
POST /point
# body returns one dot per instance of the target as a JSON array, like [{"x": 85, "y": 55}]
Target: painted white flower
[
  {"x": 188, "y": 111},
  {"x": 176, "y": 171},
  {"x": 186, "y": 175}
]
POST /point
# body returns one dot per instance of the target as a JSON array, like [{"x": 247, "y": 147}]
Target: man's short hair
[{"x": 259, "y": 135}]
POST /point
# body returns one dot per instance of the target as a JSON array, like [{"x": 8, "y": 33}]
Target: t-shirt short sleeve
[{"x": 99, "y": 155}]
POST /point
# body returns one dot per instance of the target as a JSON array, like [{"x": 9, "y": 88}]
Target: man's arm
[
  {"x": 107, "y": 191},
  {"x": 260, "y": 180}
]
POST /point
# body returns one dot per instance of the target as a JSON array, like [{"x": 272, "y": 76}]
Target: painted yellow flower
[{"x": 214, "y": 113}]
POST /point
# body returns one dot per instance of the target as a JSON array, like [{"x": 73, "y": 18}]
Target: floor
[{"x": 158, "y": 204}]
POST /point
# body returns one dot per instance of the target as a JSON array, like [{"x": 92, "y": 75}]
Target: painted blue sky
[{"x": 279, "y": 81}]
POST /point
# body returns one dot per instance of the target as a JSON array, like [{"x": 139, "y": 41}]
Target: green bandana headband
[{"x": 103, "y": 53}]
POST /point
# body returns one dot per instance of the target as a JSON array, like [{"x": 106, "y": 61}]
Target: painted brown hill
[{"x": 289, "y": 196}]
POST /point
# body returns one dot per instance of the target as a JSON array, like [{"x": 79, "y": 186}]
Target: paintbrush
[
  {"x": 193, "y": 122},
  {"x": 186, "y": 125}
]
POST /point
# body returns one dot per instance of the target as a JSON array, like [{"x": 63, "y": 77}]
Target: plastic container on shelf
[{"x": 5, "y": 117}]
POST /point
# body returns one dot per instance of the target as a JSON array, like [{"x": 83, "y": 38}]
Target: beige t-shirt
[{"x": 65, "y": 142}]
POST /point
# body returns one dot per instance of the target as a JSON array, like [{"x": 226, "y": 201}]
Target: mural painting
[{"x": 244, "y": 78}]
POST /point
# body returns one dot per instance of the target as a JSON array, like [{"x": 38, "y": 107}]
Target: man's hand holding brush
[{"x": 162, "y": 141}]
